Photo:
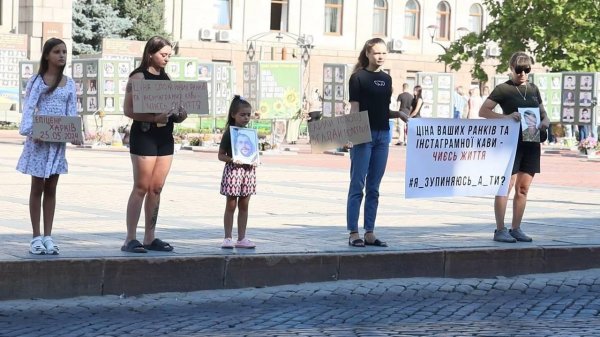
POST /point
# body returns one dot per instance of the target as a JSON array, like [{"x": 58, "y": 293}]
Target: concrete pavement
[{"x": 297, "y": 219}]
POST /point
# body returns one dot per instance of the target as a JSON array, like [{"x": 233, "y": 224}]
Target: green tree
[
  {"x": 94, "y": 20},
  {"x": 147, "y": 16},
  {"x": 560, "y": 34}
]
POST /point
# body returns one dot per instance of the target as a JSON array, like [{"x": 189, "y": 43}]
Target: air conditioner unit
[
  {"x": 223, "y": 35},
  {"x": 206, "y": 34},
  {"x": 493, "y": 50},
  {"x": 396, "y": 45}
]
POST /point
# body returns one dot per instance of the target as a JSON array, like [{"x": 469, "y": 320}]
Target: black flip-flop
[
  {"x": 377, "y": 243},
  {"x": 356, "y": 243},
  {"x": 159, "y": 245},
  {"x": 134, "y": 246}
]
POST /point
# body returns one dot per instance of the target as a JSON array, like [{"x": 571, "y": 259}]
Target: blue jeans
[{"x": 367, "y": 167}]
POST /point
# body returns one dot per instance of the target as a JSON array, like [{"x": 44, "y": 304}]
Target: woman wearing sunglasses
[{"x": 511, "y": 95}]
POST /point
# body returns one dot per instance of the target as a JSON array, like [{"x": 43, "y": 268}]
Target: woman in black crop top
[
  {"x": 370, "y": 89},
  {"x": 151, "y": 150}
]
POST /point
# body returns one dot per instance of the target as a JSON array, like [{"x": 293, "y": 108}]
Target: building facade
[{"x": 326, "y": 31}]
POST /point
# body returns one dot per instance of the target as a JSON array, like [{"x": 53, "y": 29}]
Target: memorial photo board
[{"x": 437, "y": 95}]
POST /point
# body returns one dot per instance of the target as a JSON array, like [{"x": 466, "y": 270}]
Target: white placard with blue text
[{"x": 460, "y": 157}]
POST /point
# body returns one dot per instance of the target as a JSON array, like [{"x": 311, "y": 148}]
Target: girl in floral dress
[
  {"x": 47, "y": 93},
  {"x": 239, "y": 180}
]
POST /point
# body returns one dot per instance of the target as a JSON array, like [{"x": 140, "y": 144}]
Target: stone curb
[{"x": 134, "y": 276}]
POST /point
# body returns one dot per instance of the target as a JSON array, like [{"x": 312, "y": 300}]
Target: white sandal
[
  {"x": 36, "y": 246},
  {"x": 51, "y": 247}
]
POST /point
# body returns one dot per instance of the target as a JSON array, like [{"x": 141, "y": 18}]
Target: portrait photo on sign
[
  {"x": 585, "y": 115},
  {"x": 90, "y": 71},
  {"x": 568, "y": 114},
  {"x": 244, "y": 145},
  {"x": 530, "y": 120}
]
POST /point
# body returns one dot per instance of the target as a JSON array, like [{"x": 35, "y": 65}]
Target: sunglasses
[{"x": 520, "y": 69}]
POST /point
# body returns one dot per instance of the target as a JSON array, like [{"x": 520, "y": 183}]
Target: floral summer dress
[{"x": 43, "y": 159}]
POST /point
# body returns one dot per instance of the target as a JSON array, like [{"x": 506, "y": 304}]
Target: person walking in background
[
  {"x": 416, "y": 103},
  {"x": 370, "y": 89},
  {"x": 151, "y": 147},
  {"x": 404, "y": 102},
  {"x": 460, "y": 102},
  {"x": 238, "y": 183},
  {"x": 511, "y": 95},
  {"x": 474, "y": 103},
  {"x": 48, "y": 93}
]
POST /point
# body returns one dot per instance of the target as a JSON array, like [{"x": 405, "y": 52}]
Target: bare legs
[
  {"x": 149, "y": 175},
  {"x": 521, "y": 181},
  {"x": 230, "y": 205},
  {"x": 45, "y": 188}
]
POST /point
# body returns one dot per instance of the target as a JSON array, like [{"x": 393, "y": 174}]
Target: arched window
[
  {"x": 223, "y": 8},
  {"x": 476, "y": 18},
  {"x": 443, "y": 20},
  {"x": 380, "y": 9},
  {"x": 333, "y": 16},
  {"x": 411, "y": 19}
]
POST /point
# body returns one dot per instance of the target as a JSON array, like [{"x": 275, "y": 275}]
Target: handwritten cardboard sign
[
  {"x": 329, "y": 133},
  {"x": 59, "y": 129},
  {"x": 151, "y": 96},
  {"x": 467, "y": 157}
]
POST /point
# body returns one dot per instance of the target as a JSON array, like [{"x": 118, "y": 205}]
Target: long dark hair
[
  {"x": 418, "y": 91},
  {"x": 236, "y": 104},
  {"x": 363, "y": 60},
  {"x": 48, "y": 45},
  {"x": 153, "y": 45}
]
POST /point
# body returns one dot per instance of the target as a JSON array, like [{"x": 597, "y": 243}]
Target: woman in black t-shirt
[
  {"x": 370, "y": 88},
  {"x": 512, "y": 95}
]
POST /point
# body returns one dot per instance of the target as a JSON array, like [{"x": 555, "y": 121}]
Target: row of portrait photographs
[
  {"x": 584, "y": 99},
  {"x": 91, "y": 86},
  {"x": 585, "y": 115},
  {"x": 333, "y": 74},
  {"x": 9, "y": 76},
  {"x": 91, "y": 104},
  {"x": 10, "y": 83},
  {"x": 222, "y": 90},
  {"x": 91, "y": 70},
  {"x": 174, "y": 70},
  {"x": 337, "y": 108},
  {"x": 8, "y": 68},
  {"x": 442, "y": 111},
  {"x": 13, "y": 53},
  {"x": 328, "y": 92},
  {"x": 249, "y": 89},
  {"x": 443, "y": 81},
  {"x": 221, "y": 74},
  {"x": 585, "y": 82},
  {"x": 542, "y": 82},
  {"x": 443, "y": 96},
  {"x": 12, "y": 62},
  {"x": 250, "y": 72}
]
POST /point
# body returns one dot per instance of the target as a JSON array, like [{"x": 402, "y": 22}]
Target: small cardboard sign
[
  {"x": 158, "y": 96},
  {"x": 335, "y": 132},
  {"x": 58, "y": 129}
]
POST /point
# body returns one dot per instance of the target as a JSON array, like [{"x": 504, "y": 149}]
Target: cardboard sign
[
  {"x": 59, "y": 129},
  {"x": 151, "y": 96},
  {"x": 335, "y": 132},
  {"x": 467, "y": 157}
]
